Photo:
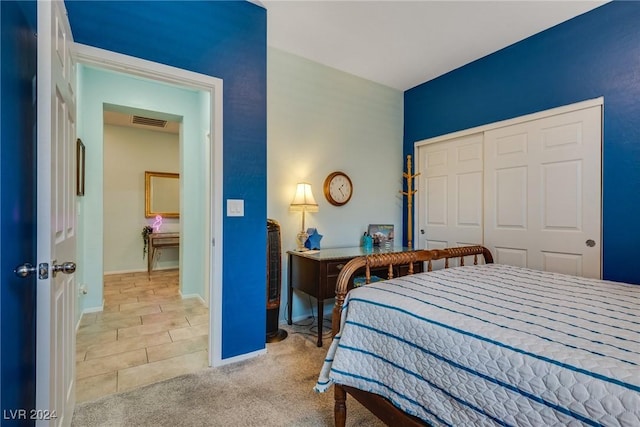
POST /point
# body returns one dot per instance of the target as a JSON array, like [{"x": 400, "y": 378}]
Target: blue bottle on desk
[{"x": 367, "y": 242}]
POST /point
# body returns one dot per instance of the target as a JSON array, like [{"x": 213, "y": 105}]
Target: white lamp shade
[{"x": 303, "y": 200}]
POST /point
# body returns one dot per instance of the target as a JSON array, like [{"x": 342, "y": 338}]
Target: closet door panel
[
  {"x": 469, "y": 200},
  {"x": 510, "y": 201},
  {"x": 510, "y": 256},
  {"x": 450, "y": 193},
  {"x": 437, "y": 192},
  {"x": 542, "y": 193}
]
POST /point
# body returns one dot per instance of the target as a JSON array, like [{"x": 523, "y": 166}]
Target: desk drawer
[
  {"x": 334, "y": 267},
  {"x": 319, "y": 279}
]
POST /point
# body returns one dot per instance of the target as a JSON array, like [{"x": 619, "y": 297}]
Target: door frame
[
  {"x": 113, "y": 61},
  {"x": 595, "y": 102}
]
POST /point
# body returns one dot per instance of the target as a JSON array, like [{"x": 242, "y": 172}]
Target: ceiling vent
[{"x": 146, "y": 121}]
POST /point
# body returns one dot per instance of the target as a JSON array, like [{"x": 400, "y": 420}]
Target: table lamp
[{"x": 303, "y": 201}]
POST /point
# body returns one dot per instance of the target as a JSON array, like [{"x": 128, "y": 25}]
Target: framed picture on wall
[
  {"x": 80, "y": 168},
  {"x": 382, "y": 234}
]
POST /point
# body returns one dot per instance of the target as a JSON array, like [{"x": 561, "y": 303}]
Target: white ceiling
[{"x": 404, "y": 43}]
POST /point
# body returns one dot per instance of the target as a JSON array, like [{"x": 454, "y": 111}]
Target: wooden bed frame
[{"x": 378, "y": 405}]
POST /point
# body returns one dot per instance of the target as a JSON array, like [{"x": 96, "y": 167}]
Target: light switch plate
[{"x": 235, "y": 207}]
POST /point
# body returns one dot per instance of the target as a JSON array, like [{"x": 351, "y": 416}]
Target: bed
[{"x": 484, "y": 344}]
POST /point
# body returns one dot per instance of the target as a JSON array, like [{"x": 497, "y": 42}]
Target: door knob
[
  {"x": 25, "y": 270},
  {"x": 65, "y": 267}
]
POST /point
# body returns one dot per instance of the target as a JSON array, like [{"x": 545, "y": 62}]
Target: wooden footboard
[{"x": 378, "y": 405}]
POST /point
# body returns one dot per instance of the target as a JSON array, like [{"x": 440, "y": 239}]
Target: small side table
[
  {"x": 316, "y": 272},
  {"x": 159, "y": 241}
]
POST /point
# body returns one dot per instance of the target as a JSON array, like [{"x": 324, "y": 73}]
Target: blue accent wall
[
  {"x": 228, "y": 40},
  {"x": 595, "y": 54},
  {"x": 18, "y": 56}
]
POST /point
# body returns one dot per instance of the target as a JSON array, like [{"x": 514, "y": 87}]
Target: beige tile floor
[{"x": 145, "y": 334}]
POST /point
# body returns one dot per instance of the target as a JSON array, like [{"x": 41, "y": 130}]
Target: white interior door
[
  {"x": 542, "y": 193},
  {"x": 450, "y": 193},
  {"x": 56, "y": 228}
]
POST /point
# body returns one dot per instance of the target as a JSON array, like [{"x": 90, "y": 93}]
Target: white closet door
[
  {"x": 542, "y": 193},
  {"x": 450, "y": 193}
]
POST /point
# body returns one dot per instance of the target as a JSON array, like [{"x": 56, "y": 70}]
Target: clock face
[{"x": 338, "y": 188}]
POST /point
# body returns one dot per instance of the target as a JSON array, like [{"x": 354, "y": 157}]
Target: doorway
[
  {"x": 201, "y": 216},
  {"x": 138, "y": 144}
]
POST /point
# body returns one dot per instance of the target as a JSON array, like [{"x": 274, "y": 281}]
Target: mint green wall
[
  {"x": 320, "y": 120},
  {"x": 99, "y": 87}
]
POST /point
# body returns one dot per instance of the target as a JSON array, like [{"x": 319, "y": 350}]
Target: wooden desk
[
  {"x": 316, "y": 273},
  {"x": 159, "y": 241}
]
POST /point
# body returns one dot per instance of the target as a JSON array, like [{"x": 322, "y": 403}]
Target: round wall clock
[{"x": 338, "y": 188}]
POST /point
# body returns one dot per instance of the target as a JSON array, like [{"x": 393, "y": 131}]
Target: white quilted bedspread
[{"x": 494, "y": 345}]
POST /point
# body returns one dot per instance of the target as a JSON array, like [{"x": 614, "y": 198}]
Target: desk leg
[
  {"x": 320, "y": 321},
  {"x": 289, "y": 293},
  {"x": 149, "y": 260}
]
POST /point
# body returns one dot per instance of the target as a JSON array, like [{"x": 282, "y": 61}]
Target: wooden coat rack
[{"x": 409, "y": 193}]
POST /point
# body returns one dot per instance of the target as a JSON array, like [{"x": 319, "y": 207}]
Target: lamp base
[{"x": 301, "y": 238}]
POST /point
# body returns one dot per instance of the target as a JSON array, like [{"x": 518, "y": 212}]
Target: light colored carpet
[{"x": 275, "y": 389}]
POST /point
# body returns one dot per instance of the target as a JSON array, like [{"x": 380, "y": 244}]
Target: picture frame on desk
[{"x": 382, "y": 234}]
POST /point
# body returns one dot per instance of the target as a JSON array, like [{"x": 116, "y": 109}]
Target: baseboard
[
  {"x": 111, "y": 273},
  {"x": 144, "y": 270},
  {"x": 328, "y": 312},
  {"x": 240, "y": 358},
  {"x": 86, "y": 311},
  {"x": 187, "y": 296},
  {"x": 93, "y": 309}
]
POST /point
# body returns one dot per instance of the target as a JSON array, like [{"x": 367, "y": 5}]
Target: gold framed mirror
[{"x": 161, "y": 194}]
